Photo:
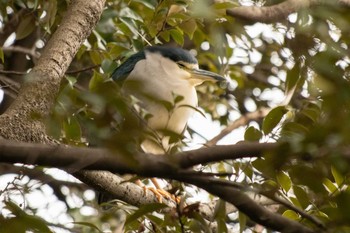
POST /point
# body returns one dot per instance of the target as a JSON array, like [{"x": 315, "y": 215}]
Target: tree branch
[
  {"x": 38, "y": 93},
  {"x": 256, "y": 212},
  {"x": 73, "y": 159},
  {"x": 275, "y": 13},
  {"x": 243, "y": 120},
  {"x": 20, "y": 49}
]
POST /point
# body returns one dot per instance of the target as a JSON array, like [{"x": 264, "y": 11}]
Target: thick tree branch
[
  {"x": 73, "y": 159},
  {"x": 275, "y": 13},
  {"x": 269, "y": 14},
  {"x": 77, "y": 158}
]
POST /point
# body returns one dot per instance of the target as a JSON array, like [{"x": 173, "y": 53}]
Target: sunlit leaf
[
  {"x": 177, "y": 36},
  {"x": 144, "y": 209},
  {"x": 339, "y": 178},
  {"x": 332, "y": 188},
  {"x": 290, "y": 214},
  {"x": 284, "y": 180},
  {"x": 273, "y": 118}
]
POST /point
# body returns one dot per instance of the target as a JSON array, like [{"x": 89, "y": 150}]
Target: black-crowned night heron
[{"x": 159, "y": 76}]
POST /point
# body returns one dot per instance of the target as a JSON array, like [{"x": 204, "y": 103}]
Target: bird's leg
[{"x": 158, "y": 191}]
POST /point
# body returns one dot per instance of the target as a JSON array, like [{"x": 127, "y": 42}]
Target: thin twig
[
  {"x": 83, "y": 69},
  {"x": 20, "y": 49},
  {"x": 12, "y": 72},
  {"x": 243, "y": 120}
]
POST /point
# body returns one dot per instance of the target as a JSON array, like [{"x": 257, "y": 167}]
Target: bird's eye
[{"x": 180, "y": 65}]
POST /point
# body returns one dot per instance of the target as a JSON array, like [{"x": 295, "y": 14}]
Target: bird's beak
[{"x": 205, "y": 75}]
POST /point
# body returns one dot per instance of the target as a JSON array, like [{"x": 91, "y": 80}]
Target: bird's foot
[{"x": 161, "y": 193}]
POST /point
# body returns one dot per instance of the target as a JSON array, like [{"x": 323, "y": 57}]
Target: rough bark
[{"x": 23, "y": 121}]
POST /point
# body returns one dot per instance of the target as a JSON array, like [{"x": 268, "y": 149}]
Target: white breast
[{"x": 152, "y": 86}]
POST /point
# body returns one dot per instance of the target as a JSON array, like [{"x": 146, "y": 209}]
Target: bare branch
[
  {"x": 269, "y": 14},
  {"x": 20, "y": 49},
  {"x": 274, "y": 13},
  {"x": 243, "y": 120},
  {"x": 12, "y": 72}
]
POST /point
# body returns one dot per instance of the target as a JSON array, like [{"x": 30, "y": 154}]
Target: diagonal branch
[
  {"x": 275, "y": 13},
  {"x": 242, "y": 121}
]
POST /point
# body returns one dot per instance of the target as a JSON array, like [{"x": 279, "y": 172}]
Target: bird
[
  {"x": 163, "y": 80},
  {"x": 157, "y": 77}
]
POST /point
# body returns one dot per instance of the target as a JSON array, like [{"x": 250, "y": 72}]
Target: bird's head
[{"x": 177, "y": 61}]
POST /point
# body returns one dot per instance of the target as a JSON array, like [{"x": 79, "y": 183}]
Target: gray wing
[{"x": 122, "y": 72}]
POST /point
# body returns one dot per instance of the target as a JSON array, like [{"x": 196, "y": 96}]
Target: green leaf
[
  {"x": 301, "y": 196},
  {"x": 290, "y": 214},
  {"x": 108, "y": 66},
  {"x": 143, "y": 210},
  {"x": 292, "y": 128},
  {"x": 51, "y": 12},
  {"x": 147, "y": 4},
  {"x": 220, "y": 215},
  {"x": 189, "y": 27},
  {"x": 273, "y": 118},
  {"x": 72, "y": 129},
  {"x": 242, "y": 221},
  {"x": 339, "y": 178},
  {"x": 178, "y": 99},
  {"x": 312, "y": 112},
  {"x": 25, "y": 27},
  {"x": 177, "y": 36},
  {"x": 165, "y": 35},
  {"x": 96, "y": 79},
  {"x": 284, "y": 180},
  {"x": 95, "y": 57},
  {"x": 252, "y": 134},
  {"x": 292, "y": 77},
  {"x": 28, "y": 222},
  {"x": 2, "y": 57},
  {"x": 330, "y": 186},
  {"x": 168, "y": 105},
  {"x": 248, "y": 171},
  {"x": 71, "y": 80}
]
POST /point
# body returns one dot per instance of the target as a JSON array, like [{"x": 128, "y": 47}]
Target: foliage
[{"x": 298, "y": 67}]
